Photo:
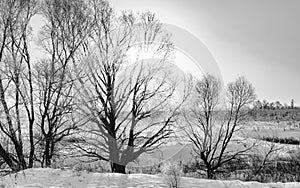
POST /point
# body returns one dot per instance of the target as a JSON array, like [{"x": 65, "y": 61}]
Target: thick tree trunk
[
  {"x": 209, "y": 171},
  {"x": 117, "y": 168},
  {"x": 21, "y": 158},
  {"x": 47, "y": 153},
  {"x": 210, "y": 174},
  {"x": 116, "y": 165}
]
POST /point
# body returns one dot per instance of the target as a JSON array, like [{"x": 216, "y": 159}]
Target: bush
[
  {"x": 172, "y": 172},
  {"x": 291, "y": 140},
  {"x": 251, "y": 168},
  {"x": 274, "y": 170}
]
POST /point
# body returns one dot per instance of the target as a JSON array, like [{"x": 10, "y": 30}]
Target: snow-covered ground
[{"x": 56, "y": 178}]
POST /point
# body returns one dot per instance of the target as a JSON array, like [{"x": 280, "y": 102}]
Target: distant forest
[{"x": 274, "y": 111}]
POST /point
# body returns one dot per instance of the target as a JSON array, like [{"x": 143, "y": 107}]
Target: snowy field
[{"x": 56, "y": 178}]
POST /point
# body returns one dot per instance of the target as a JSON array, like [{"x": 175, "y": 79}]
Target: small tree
[
  {"x": 257, "y": 105},
  {"x": 278, "y": 105},
  {"x": 172, "y": 173},
  {"x": 265, "y": 104},
  {"x": 272, "y": 105},
  {"x": 263, "y": 156},
  {"x": 211, "y": 128},
  {"x": 292, "y": 104}
]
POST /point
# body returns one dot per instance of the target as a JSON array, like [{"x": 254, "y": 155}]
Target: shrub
[
  {"x": 291, "y": 140},
  {"x": 172, "y": 172},
  {"x": 274, "y": 170}
]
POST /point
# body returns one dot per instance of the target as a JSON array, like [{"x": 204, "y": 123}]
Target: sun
[{"x": 179, "y": 58}]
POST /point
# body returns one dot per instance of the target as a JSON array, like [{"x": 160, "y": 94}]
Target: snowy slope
[{"x": 54, "y": 178}]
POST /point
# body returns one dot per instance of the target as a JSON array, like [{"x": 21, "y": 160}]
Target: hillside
[{"x": 55, "y": 178}]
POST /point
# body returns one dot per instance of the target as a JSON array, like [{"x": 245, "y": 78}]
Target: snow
[{"x": 56, "y": 178}]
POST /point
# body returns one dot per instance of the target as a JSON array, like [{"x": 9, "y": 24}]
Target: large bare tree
[
  {"x": 16, "y": 85},
  {"x": 212, "y": 123},
  {"x": 127, "y": 101}
]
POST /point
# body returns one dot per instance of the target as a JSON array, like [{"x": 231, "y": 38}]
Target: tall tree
[
  {"x": 68, "y": 23},
  {"x": 128, "y": 102},
  {"x": 16, "y": 85}
]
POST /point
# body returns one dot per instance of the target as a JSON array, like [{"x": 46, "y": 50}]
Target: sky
[{"x": 259, "y": 39}]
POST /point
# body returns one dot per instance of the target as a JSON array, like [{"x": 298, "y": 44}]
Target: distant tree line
[
  {"x": 277, "y": 105},
  {"x": 274, "y": 111}
]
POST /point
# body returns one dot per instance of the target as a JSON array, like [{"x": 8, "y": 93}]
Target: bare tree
[
  {"x": 68, "y": 23},
  {"x": 128, "y": 101},
  {"x": 211, "y": 127},
  {"x": 16, "y": 86},
  {"x": 263, "y": 157}
]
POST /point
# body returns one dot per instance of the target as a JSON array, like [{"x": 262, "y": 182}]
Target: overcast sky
[{"x": 256, "y": 38}]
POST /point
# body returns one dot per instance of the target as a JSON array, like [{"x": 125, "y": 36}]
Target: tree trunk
[
  {"x": 32, "y": 147},
  {"x": 21, "y": 158},
  {"x": 209, "y": 171},
  {"x": 47, "y": 153},
  {"x": 117, "y": 168},
  {"x": 210, "y": 174},
  {"x": 115, "y": 164},
  {"x": 8, "y": 160}
]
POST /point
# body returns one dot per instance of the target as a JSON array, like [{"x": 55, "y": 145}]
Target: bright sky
[{"x": 256, "y": 38}]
